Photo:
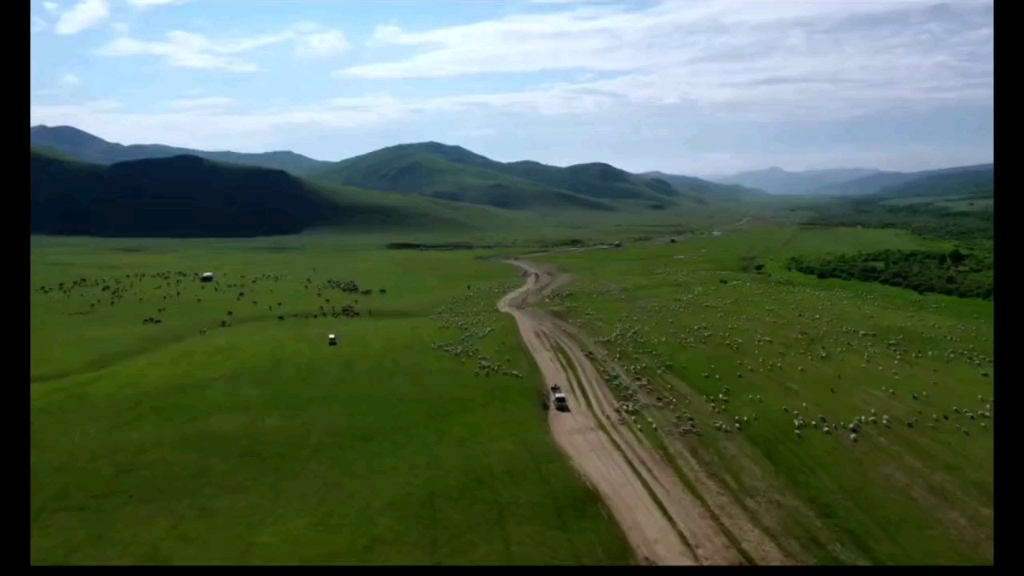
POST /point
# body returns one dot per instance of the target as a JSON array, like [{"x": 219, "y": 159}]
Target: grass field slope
[
  {"x": 182, "y": 422},
  {"x": 186, "y": 196},
  {"x": 88, "y": 148},
  {"x": 853, "y": 421}
]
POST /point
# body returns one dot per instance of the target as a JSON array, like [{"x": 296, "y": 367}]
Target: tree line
[{"x": 954, "y": 273}]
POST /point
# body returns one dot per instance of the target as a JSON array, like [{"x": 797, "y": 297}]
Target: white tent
[{"x": 207, "y": 277}]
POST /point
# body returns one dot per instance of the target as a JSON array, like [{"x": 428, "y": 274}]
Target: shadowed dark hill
[
  {"x": 187, "y": 196},
  {"x": 88, "y": 148}
]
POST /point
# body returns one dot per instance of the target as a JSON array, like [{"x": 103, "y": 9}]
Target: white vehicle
[
  {"x": 332, "y": 340},
  {"x": 558, "y": 399},
  {"x": 207, "y": 277}
]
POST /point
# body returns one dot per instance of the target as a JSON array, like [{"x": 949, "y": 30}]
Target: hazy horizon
[{"x": 677, "y": 87}]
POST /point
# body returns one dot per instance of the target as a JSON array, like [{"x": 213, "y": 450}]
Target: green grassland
[
  {"x": 256, "y": 442},
  {"x": 919, "y": 491}
]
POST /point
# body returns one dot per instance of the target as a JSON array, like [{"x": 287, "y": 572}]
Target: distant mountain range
[
  {"x": 964, "y": 182},
  {"x": 881, "y": 181},
  {"x": 82, "y": 184},
  {"x": 775, "y": 180},
  {"x": 835, "y": 182},
  {"x": 439, "y": 171}
]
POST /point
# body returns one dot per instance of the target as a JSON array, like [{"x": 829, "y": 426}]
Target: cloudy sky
[{"x": 685, "y": 86}]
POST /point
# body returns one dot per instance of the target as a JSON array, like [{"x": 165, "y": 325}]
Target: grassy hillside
[
  {"x": 231, "y": 433},
  {"x": 597, "y": 180},
  {"x": 455, "y": 173},
  {"x": 88, "y": 148},
  {"x": 412, "y": 170},
  {"x": 186, "y": 196}
]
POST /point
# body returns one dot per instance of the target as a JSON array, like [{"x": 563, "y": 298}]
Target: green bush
[{"x": 956, "y": 273}]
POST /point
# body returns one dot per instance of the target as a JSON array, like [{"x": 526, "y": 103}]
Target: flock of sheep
[
  {"x": 473, "y": 316},
  {"x": 699, "y": 318},
  {"x": 176, "y": 288}
]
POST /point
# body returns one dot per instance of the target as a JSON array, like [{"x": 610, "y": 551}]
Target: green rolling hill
[
  {"x": 187, "y": 196},
  {"x": 454, "y": 173},
  {"x": 437, "y": 171},
  {"x": 410, "y": 170}
]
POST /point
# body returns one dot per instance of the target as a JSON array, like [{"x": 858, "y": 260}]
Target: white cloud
[
  {"x": 212, "y": 119},
  {"x": 190, "y": 50},
  {"x": 38, "y": 24},
  {"x": 51, "y": 7},
  {"x": 210, "y": 104},
  {"x": 338, "y": 128},
  {"x": 560, "y": 2},
  {"x": 144, "y": 4},
  {"x": 102, "y": 106},
  {"x": 69, "y": 81},
  {"x": 120, "y": 27},
  {"x": 755, "y": 57},
  {"x": 739, "y": 61},
  {"x": 85, "y": 14},
  {"x": 321, "y": 44}
]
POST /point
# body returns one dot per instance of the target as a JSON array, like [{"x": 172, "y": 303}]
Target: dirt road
[{"x": 663, "y": 521}]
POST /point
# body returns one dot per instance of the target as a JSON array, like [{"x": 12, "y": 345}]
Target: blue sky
[{"x": 686, "y": 87}]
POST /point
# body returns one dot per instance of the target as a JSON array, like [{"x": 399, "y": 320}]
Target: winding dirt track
[{"x": 663, "y": 521}]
